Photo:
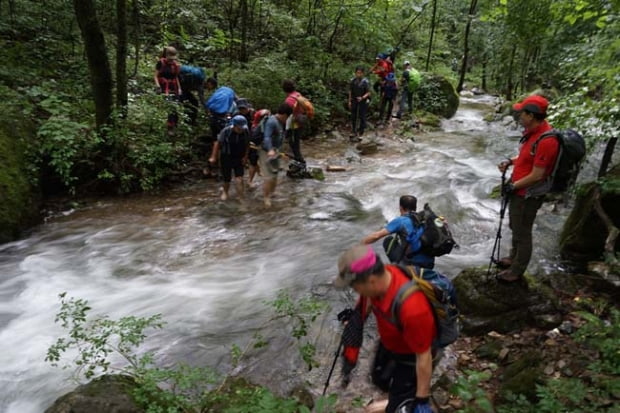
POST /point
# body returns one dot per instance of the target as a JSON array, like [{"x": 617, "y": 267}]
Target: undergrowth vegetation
[{"x": 101, "y": 345}]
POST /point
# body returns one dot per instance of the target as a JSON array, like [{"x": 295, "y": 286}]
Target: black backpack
[
  {"x": 258, "y": 133},
  {"x": 567, "y": 165},
  {"x": 437, "y": 238}
]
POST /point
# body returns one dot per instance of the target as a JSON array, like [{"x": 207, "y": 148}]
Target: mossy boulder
[
  {"x": 488, "y": 305},
  {"x": 437, "y": 95},
  {"x": 105, "y": 394},
  {"x": 583, "y": 235},
  {"x": 19, "y": 208},
  {"x": 522, "y": 376}
]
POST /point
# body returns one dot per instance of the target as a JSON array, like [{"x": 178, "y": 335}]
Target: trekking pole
[
  {"x": 331, "y": 371},
  {"x": 498, "y": 236}
]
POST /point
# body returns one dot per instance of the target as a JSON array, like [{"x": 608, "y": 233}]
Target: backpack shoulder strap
[
  {"x": 402, "y": 294},
  {"x": 417, "y": 283},
  {"x": 553, "y": 132}
]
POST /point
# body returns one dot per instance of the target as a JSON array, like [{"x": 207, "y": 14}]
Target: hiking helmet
[
  {"x": 240, "y": 121},
  {"x": 407, "y": 63},
  {"x": 532, "y": 104}
]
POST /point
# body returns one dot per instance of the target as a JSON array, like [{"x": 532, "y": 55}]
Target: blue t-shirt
[
  {"x": 273, "y": 134},
  {"x": 404, "y": 225}
]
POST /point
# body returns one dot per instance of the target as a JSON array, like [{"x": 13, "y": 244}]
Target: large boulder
[
  {"x": 105, "y": 394},
  {"x": 583, "y": 235},
  {"x": 437, "y": 95},
  {"x": 488, "y": 305},
  {"x": 19, "y": 208}
]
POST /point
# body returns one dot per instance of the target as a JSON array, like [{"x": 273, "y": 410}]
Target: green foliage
[
  {"x": 95, "y": 340},
  {"x": 18, "y": 189},
  {"x": 468, "y": 389},
  {"x": 594, "y": 390},
  {"x": 98, "y": 341},
  {"x": 302, "y": 312},
  {"x": 603, "y": 336}
]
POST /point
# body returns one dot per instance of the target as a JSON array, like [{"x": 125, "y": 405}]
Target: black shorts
[
  {"x": 228, "y": 166},
  {"x": 253, "y": 157}
]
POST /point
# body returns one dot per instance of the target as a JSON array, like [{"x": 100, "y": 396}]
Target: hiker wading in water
[
  {"x": 403, "y": 364},
  {"x": 403, "y": 225},
  {"x": 269, "y": 151},
  {"x": 232, "y": 146}
]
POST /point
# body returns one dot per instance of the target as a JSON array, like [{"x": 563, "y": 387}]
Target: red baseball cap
[{"x": 533, "y": 104}]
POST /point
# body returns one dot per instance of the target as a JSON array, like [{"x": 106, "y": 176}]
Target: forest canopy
[{"x": 82, "y": 71}]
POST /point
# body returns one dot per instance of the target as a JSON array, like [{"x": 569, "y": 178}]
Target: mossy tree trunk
[
  {"x": 472, "y": 10},
  {"x": 97, "y": 56},
  {"x": 121, "y": 55}
]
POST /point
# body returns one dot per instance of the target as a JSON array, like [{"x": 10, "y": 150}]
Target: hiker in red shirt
[
  {"x": 529, "y": 168},
  {"x": 403, "y": 364},
  {"x": 382, "y": 67},
  {"x": 166, "y": 78},
  {"x": 293, "y": 129}
]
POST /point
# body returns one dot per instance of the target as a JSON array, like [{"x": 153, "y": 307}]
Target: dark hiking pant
[
  {"x": 191, "y": 105},
  {"x": 389, "y": 102},
  {"x": 522, "y": 213},
  {"x": 406, "y": 100},
  {"x": 294, "y": 140},
  {"x": 358, "y": 115},
  {"x": 395, "y": 374}
]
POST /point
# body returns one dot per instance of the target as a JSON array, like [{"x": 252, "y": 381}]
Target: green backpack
[{"x": 415, "y": 78}]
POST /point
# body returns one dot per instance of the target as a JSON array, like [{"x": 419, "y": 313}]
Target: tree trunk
[
  {"x": 245, "y": 21},
  {"x": 121, "y": 56},
  {"x": 332, "y": 38},
  {"x": 470, "y": 16},
  {"x": 98, "y": 63},
  {"x": 135, "y": 17},
  {"x": 510, "y": 85},
  {"x": 609, "y": 151},
  {"x": 430, "y": 42}
]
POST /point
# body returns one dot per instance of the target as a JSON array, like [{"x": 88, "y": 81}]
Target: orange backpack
[{"x": 304, "y": 109}]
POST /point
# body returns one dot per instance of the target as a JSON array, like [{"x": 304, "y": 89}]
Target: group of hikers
[
  {"x": 387, "y": 86},
  {"x": 415, "y": 306},
  {"x": 238, "y": 144},
  {"x": 242, "y": 136}
]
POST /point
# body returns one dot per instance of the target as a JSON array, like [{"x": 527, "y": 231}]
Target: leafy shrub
[
  {"x": 177, "y": 388},
  {"x": 593, "y": 391}
]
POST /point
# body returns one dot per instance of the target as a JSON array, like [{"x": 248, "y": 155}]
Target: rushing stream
[{"x": 208, "y": 266}]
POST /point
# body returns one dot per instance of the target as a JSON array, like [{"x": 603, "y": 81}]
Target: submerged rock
[
  {"x": 367, "y": 146},
  {"x": 105, "y": 394}
]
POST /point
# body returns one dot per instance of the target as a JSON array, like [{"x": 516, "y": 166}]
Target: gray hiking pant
[{"x": 522, "y": 213}]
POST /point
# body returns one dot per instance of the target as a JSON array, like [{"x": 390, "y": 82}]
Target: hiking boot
[
  {"x": 505, "y": 262},
  {"x": 508, "y": 277}
]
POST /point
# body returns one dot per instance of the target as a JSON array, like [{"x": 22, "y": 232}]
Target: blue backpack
[
  {"x": 222, "y": 101},
  {"x": 196, "y": 74},
  {"x": 390, "y": 89}
]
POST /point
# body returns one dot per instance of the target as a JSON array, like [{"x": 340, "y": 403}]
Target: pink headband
[{"x": 364, "y": 263}]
